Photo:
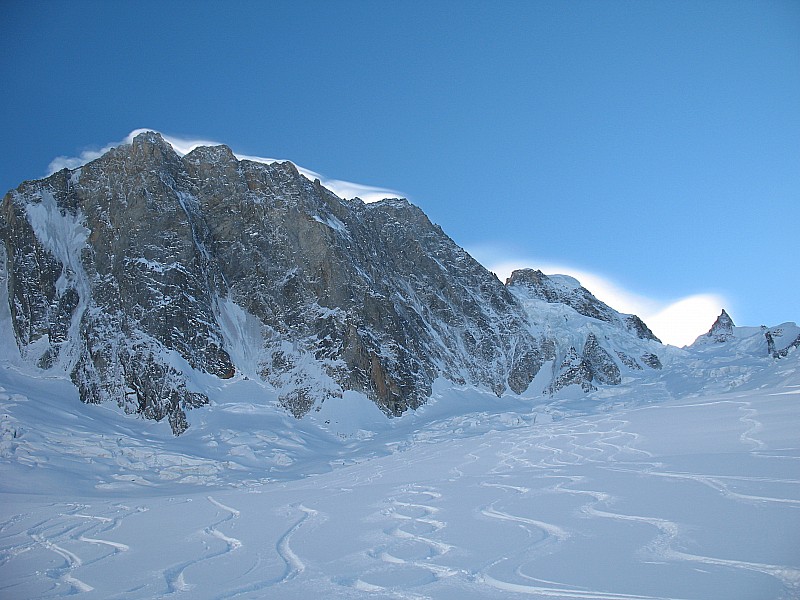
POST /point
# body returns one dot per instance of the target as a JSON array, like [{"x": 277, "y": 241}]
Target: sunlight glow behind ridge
[{"x": 676, "y": 322}]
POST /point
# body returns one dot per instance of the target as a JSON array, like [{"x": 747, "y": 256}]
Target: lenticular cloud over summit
[{"x": 343, "y": 189}]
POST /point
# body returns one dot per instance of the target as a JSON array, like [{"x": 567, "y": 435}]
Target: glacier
[{"x": 469, "y": 496}]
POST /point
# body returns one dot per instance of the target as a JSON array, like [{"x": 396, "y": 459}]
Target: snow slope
[{"x": 469, "y": 497}]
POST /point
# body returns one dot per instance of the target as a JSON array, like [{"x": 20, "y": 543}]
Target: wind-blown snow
[
  {"x": 343, "y": 189},
  {"x": 471, "y": 496}
]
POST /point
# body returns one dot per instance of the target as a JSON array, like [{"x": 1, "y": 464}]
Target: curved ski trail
[{"x": 294, "y": 565}]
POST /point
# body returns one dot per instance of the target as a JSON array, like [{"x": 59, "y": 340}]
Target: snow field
[{"x": 693, "y": 499}]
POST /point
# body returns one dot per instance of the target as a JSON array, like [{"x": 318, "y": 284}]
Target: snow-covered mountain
[
  {"x": 148, "y": 276},
  {"x": 544, "y": 445},
  {"x": 143, "y": 270}
]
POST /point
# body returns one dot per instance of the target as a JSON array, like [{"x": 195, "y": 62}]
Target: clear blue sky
[{"x": 654, "y": 144}]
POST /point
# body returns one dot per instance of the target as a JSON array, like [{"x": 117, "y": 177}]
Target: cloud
[
  {"x": 674, "y": 321},
  {"x": 73, "y": 162},
  {"x": 687, "y": 318},
  {"x": 343, "y": 189}
]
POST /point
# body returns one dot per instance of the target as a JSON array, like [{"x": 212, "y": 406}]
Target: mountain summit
[
  {"x": 145, "y": 275},
  {"x": 722, "y": 329}
]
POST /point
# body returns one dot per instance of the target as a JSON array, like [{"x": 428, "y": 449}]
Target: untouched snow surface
[{"x": 623, "y": 498}]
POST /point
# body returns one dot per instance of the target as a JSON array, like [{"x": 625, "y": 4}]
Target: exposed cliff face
[{"x": 143, "y": 265}]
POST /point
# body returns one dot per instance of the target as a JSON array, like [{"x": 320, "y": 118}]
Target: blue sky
[{"x": 651, "y": 148}]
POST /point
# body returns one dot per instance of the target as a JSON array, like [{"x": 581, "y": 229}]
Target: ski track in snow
[
  {"x": 294, "y": 565},
  {"x": 175, "y": 576},
  {"x": 583, "y": 447},
  {"x": 661, "y": 547},
  {"x": 116, "y": 545},
  {"x": 716, "y": 482},
  {"x": 69, "y": 533},
  {"x": 755, "y": 426},
  {"x": 547, "y": 528},
  {"x": 72, "y": 562},
  {"x": 232, "y": 511},
  {"x": 412, "y": 547},
  {"x": 561, "y": 592}
]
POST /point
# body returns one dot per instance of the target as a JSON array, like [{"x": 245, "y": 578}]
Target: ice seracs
[{"x": 592, "y": 344}]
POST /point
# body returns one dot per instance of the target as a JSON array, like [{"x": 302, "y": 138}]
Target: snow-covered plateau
[{"x": 470, "y": 496}]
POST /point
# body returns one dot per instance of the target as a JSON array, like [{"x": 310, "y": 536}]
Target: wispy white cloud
[
  {"x": 182, "y": 146},
  {"x": 683, "y": 320},
  {"x": 73, "y": 162},
  {"x": 675, "y": 321},
  {"x": 343, "y": 189}
]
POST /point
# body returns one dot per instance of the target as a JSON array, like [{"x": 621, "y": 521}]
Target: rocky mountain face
[
  {"x": 143, "y": 266},
  {"x": 144, "y": 273}
]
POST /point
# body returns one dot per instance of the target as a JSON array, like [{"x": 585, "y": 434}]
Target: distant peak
[
  {"x": 722, "y": 329},
  {"x": 723, "y": 322},
  {"x": 151, "y": 144}
]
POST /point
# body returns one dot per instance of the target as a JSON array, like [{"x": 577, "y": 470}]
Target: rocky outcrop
[
  {"x": 602, "y": 366},
  {"x": 782, "y": 340},
  {"x": 593, "y": 365},
  {"x": 651, "y": 360}
]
